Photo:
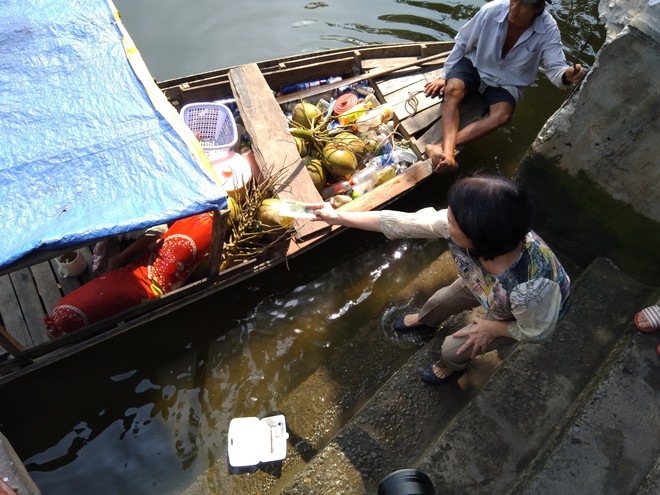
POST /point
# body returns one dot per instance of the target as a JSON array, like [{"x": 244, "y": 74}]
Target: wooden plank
[
  {"x": 363, "y": 77},
  {"x": 31, "y": 307},
  {"x": 220, "y": 218},
  {"x": 86, "y": 252},
  {"x": 10, "y": 310},
  {"x": 272, "y": 144},
  {"x": 47, "y": 285},
  {"x": 9, "y": 343},
  {"x": 67, "y": 284},
  {"x": 471, "y": 109},
  {"x": 393, "y": 84}
]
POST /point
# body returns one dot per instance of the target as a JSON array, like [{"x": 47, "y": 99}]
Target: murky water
[{"x": 147, "y": 413}]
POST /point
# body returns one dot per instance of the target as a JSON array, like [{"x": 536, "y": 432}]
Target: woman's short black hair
[{"x": 492, "y": 211}]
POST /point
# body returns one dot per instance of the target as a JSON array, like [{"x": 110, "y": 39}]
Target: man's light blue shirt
[{"x": 481, "y": 40}]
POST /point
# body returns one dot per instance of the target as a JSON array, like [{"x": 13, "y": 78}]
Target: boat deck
[{"x": 28, "y": 294}]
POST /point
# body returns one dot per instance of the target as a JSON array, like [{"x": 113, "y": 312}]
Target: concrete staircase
[{"x": 577, "y": 415}]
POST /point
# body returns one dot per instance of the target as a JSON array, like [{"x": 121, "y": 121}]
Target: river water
[{"x": 149, "y": 413}]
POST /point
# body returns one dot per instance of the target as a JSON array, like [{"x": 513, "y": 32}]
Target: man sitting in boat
[
  {"x": 497, "y": 53},
  {"x": 165, "y": 267}
]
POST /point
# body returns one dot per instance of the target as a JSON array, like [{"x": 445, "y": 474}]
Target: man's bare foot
[
  {"x": 435, "y": 153},
  {"x": 447, "y": 164}
]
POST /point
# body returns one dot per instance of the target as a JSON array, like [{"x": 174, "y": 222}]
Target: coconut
[
  {"x": 316, "y": 171},
  {"x": 301, "y": 144},
  {"x": 339, "y": 159},
  {"x": 233, "y": 207},
  {"x": 353, "y": 142},
  {"x": 305, "y": 114},
  {"x": 269, "y": 214}
]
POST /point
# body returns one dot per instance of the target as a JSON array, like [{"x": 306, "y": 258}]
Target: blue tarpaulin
[{"x": 89, "y": 147}]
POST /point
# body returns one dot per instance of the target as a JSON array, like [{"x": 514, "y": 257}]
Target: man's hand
[
  {"x": 435, "y": 87},
  {"x": 573, "y": 74}
]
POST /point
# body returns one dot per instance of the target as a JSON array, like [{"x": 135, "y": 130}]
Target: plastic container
[
  {"x": 253, "y": 440},
  {"x": 386, "y": 173},
  {"x": 364, "y": 180},
  {"x": 343, "y": 187},
  {"x": 233, "y": 170},
  {"x": 71, "y": 264},
  {"x": 212, "y": 123},
  {"x": 374, "y": 118},
  {"x": 354, "y": 113},
  {"x": 398, "y": 155},
  {"x": 292, "y": 88}
]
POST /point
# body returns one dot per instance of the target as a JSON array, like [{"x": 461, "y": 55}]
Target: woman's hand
[
  {"x": 435, "y": 87},
  {"x": 480, "y": 334},
  {"x": 324, "y": 212}
]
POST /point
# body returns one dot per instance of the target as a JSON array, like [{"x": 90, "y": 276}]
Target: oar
[
  {"x": 584, "y": 45},
  {"x": 301, "y": 95}
]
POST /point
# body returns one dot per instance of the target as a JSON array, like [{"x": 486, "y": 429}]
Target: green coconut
[
  {"x": 305, "y": 114},
  {"x": 339, "y": 159},
  {"x": 353, "y": 142},
  {"x": 316, "y": 171}
]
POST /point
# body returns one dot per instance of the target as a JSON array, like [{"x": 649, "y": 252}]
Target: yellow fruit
[
  {"x": 339, "y": 159},
  {"x": 316, "y": 172},
  {"x": 305, "y": 114},
  {"x": 269, "y": 214},
  {"x": 233, "y": 207},
  {"x": 301, "y": 144},
  {"x": 353, "y": 142}
]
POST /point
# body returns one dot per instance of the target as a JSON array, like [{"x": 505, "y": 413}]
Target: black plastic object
[{"x": 406, "y": 482}]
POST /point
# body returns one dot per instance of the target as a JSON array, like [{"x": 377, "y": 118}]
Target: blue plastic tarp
[{"x": 88, "y": 145}]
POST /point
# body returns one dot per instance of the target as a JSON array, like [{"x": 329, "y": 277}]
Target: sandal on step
[
  {"x": 400, "y": 325},
  {"x": 652, "y": 315},
  {"x": 429, "y": 376}
]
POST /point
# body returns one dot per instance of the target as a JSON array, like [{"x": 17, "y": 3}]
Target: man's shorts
[{"x": 465, "y": 71}]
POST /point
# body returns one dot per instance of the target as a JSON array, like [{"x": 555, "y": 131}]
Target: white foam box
[{"x": 253, "y": 440}]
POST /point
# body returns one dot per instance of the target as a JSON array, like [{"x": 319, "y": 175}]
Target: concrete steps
[{"x": 578, "y": 414}]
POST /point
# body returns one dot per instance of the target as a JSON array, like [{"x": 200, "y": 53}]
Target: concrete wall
[
  {"x": 609, "y": 128},
  {"x": 595, "y": 166}
]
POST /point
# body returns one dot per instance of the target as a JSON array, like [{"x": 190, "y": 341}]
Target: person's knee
[
  {"x": 450, "y": 359},
  {"x": 500, "y": 115},
  {"x": 454, "y": 89}
]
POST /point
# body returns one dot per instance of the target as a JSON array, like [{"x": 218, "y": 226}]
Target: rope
[{"x": 411, "y": 103}]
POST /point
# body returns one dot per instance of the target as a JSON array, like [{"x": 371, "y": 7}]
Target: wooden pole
[{"x": 301, "y": 95}]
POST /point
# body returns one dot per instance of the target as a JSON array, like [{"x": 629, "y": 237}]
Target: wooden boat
[{"x": 30, "y": 287}]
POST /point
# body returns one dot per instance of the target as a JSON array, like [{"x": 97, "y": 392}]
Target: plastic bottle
[
  {"x": 364, "y": 180},
  {"x": 323, "y": 105},
  {"x": 353, "y": 113},
  {"x": 386, "y": 173},
  {"x": 373, "y": 118},
  {"x": 364, "y": 90},
  {"x": 343, "y": 187},
  {"x": 291, "y": 88},
  {"x": 371, "y": 98},
  {"x": 395, "y": 156}
]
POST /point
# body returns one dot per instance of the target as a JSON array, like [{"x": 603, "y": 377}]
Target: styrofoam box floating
[{"x": 253, "y": 440}]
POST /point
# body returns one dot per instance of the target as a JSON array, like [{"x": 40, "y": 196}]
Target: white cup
[{"x": 71, "y": 264}]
